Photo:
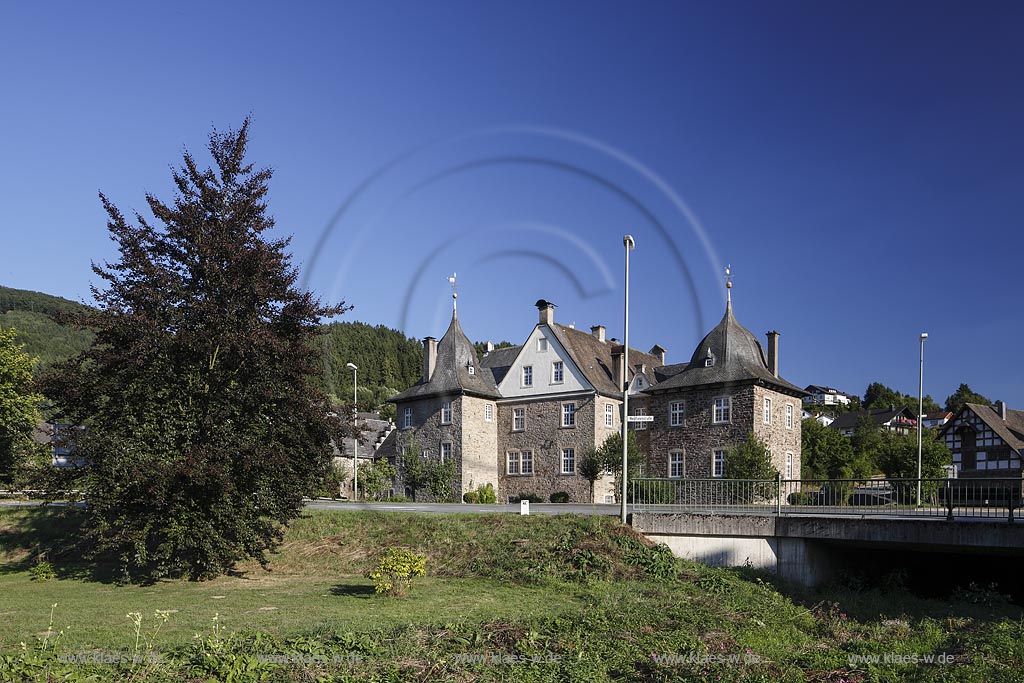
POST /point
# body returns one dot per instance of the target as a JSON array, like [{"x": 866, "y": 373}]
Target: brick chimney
[
  {"x": 598, "y": 331},
  {"x": 547, "y": 311},
  {"x": 618, "y": 367},
  {"x": 658, "y": 352},
  {"x": 429, "y": 357},
  {"x": 773, "y": 352},
  {"x": 1001, "y": 409}
]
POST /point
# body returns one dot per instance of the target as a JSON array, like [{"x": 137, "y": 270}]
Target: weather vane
[
  {"x": 455, "y": 293},
  {"x": 728, "y": 282}
]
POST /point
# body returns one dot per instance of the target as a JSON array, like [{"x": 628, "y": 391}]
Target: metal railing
[{"x": 989, "y": 498}]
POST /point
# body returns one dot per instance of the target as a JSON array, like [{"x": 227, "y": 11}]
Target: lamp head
[
  {"x": 924, "y": 335},
  {"x": 628, "y": 242},
  {"x": 351, "y": 366}
]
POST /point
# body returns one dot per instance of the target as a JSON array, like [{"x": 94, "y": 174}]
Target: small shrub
[
  {"x": 799, "y": 498},
  {"x": 471, "y": 497},
  {"x": 532, "y": 497},
  {"x": 487, "y": 494},
  {"x": 42, "y": 571},
  {"x": 396, "y": 571},
  {"x": 560, "y": 497}
]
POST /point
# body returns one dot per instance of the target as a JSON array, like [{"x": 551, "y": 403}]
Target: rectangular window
[
  {"x": 518, "y": 419},
  {"x": 557, "y": 372},
  {"x": 609, "y": 415},
  {"x": 789, "y": 465},
  {"x": 527, "y": 375},
  {"x": 446, "y": 413},
  {"x": 789, "y": 416},
  {"x": 526, "y": 462},
  {"x": 446, "y": 452},
  {"x": 767, "y": 417},
  {"x": 512, "y": 462},
  {"x": 407, "y": 419},
  {"x": 640, "y": 425},
  {"x": 676, "y": 465},
  {"x": 722, "y": 412},
  {"x": 488, "y": 412},
  {"x": 718, "y": 463},
  {"x": 676, "y": 413},
  {"x": 568, "y": 414},
  {"x": 542, "y": 344},
  {"x": 568, "y": 461}
]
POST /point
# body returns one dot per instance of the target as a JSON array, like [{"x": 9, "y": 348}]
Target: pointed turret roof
[
  {"x": 451, "y": 376},
  {"x": 736, "y": 356}
]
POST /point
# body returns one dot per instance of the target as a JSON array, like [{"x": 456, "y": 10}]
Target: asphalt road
[{"x": 535, "y": 509}]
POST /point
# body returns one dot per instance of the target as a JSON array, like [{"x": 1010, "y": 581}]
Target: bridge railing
[{"x": 988, "y": 498}]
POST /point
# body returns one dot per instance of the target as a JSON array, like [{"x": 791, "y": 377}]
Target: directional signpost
[{"x": 640, "y": 418}]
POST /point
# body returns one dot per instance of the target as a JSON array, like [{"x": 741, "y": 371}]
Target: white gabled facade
[{"x": 540, "y": 353}]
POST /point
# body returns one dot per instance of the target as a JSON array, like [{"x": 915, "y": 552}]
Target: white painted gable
[
  {"x": 540, "y": 352},
  {"x": 639, "y": 383}
]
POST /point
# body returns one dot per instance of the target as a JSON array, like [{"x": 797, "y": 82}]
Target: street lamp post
[
  {"x": 629, "y": 244},
  {"x": 355, "y": 422},
  {"x": 920, "y": 414}
]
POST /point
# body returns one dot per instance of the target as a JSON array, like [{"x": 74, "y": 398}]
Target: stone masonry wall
[
  {"x": 479, "y": 444},
  {"x": 544, "y": 435},
  {"x": 430, "y": 433},
  {"x": 776, "y": 436}
]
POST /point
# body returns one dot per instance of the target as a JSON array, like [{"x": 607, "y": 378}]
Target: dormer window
[
  {"x": 470, "y": 369},
  {"x": 708, "y": 362}
]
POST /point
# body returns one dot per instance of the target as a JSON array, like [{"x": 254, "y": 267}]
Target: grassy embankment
[{"x": 542, "y": 598}]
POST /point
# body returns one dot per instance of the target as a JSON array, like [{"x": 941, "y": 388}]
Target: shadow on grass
[
  {"x": 353, "y": 590},
  {"x": 30, "y": 535}
]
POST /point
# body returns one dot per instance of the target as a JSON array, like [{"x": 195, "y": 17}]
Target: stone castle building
[{"x": 522, "y": 418}]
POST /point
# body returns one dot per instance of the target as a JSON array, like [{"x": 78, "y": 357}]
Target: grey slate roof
[
  {"x": 594, "y": 358},
  {"x": 878, "y": 416},
  {"x": 738, "y": 357},
  {"x": 499, "y": 361},
  {"x": 451, "y": 377},
  {"x": 664, "y": 372},
  {"x": 1011, "y": 430}
]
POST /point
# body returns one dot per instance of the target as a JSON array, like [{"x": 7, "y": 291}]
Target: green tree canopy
[
  {"x": 964, "y": 394},
  {"x": 749, "y": 460},
  {"x": 879, "y": 396},
  {"x": 827, "y": 454},
  {"x": 19, "y": 403},
  {"x": 204, "y": 428}
]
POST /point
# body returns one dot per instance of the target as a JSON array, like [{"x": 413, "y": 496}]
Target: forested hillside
[
  {"x": 29, "y": 314},
  {"x": 388, "y": 361}
]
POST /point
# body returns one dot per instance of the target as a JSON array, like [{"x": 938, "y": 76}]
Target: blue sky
[{"x": 860, "y": 165}]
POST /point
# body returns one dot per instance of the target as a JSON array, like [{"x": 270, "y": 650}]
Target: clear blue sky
[{"x": 860, "y": 165}]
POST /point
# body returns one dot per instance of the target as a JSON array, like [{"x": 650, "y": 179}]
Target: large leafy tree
[
  {"x": 749, "y": 459},
  {"x": 964, "y": 394},
  {"x": 203, "y": 427},
  {"x": 19, "y": 404},
  {"x": 879, "y": 395},
  {"x": 827, "y": 454}
]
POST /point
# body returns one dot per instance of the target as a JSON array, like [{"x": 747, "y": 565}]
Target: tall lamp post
[
  {"x": 629, "y": 244},
  {"x": 920, "y": 414},
  {"x": 355, "y": 421}
]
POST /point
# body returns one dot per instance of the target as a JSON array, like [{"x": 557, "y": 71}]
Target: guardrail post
[
  {"x": 949, "y": 500},
  {"x": 778, "y": 494}
]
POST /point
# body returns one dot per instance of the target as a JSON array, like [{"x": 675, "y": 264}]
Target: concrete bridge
[{"x": 813, "y": 549}]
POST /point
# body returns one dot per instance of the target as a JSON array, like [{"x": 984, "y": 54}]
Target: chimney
[
  {"x": 618, "y": 368},
  {"x": 547, "y": 311},
  {"x": 658, "y": 352},
  {"x": 489, "y": 347},
  {"x": 598, "y": 331},
  {"x": 429, "y": 357},
  {"x": 773, "y": 352},
  {"x": 1001, "y": 409}
]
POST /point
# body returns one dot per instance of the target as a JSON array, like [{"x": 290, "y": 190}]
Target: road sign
[{"x": 639, "y": 418}]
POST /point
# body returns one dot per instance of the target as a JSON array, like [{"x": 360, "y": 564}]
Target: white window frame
[
  {"x": 526, "y": 463},
  {"x": 718, "y": 463},
  {"x": 446, "y": 450},
  {"x": 568, "y": 456},
  {"x": 407, "y": 418},
  {"x": 766, "y": 413},
  {"x": 640, "y": 426},
  {"x": 721, "y": 405},
  {"x": 512, "y": 463},
  {"x": 676, "y": 413},
  {"x": 527, "y": 376},
  {"x": 789, "y": 416},
  {"x": 569, "y": 414},
  {"x": 446, "y": 413},
  {"x": 676, "y": 464},
  {"x": 542, "y": 344},
  {"x": 609, "y": 415},
  {"x": 470, "y": 369},
  {"x": 488, "y": 412},
  {"x": 557, "y": 372},
  {"x": 518, "y": 416}
]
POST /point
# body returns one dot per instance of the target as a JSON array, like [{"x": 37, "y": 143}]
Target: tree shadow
[
  {"x": 33, "y": 535},
  {"x": 353, "y": 590}
]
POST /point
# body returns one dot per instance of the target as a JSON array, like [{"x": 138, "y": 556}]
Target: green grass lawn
[{"x": 540, "y": 598}]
